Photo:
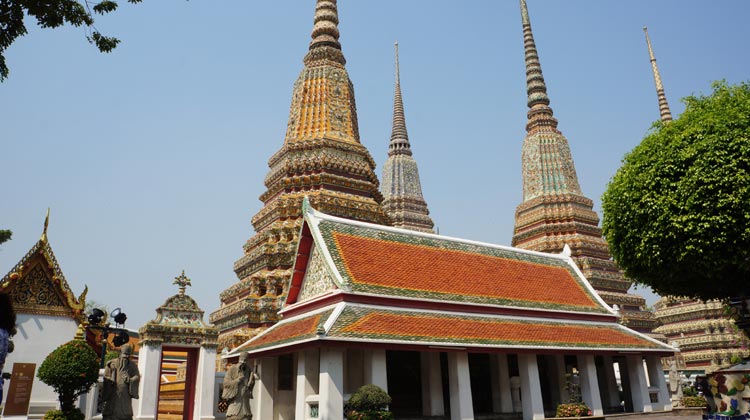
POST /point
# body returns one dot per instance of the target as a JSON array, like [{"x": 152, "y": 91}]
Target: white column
[
  {"x": 590, "y": 383},
  {"x": 375, "y": 368},
  {"x": 503, "y": 380},
  {"x": 149, "y": 366},
  {"x": 656, "y": 378},
  {"x": 560, "y": 377},
  {"x": 204, "y": 384},
  {"x": 638, "y": 385},
  {"x": 460, "y": 386},
  {"x": 307, "y": 382},
  {"x": 432, "y": 384},
  {"x": 531, "y": 389},
  {"x": 613, "y": 391},
  {"x": 264, "y": 388},
  {"x": 331, "y": 382}
]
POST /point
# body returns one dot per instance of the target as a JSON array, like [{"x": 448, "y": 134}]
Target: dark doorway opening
[
  {"x": 404, "y": 382},
  {"x": 481, "y": 384}
]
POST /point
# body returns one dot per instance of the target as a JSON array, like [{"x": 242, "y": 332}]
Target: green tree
[
  {"x": 5, "y": 235},
  {"x": 70, "y": 370},
  {"x": 677, "y": 213},
  {"x": 52, "y": 14}
]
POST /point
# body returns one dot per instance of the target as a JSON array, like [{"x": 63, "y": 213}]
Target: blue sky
[{"x": 152, "y": 157}]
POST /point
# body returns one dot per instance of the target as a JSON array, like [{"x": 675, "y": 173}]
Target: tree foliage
[
  {"x": 5, "y": 235},
  {"x": 677, "y": 213},
  {"x": 52, "y": 14},
  {"x": 70, "y": 370}
]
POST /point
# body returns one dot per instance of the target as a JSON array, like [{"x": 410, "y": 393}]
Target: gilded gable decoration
[{"x": 37, "y": 285}]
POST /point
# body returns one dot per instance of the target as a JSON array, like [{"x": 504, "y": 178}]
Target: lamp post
[{"x": 97, "y": 322}]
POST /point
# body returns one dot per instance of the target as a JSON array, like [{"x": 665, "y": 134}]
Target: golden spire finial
[{"x": 46, "y": 224}]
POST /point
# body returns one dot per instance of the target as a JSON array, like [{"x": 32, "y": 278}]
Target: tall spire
[
  {"x": 540, "y": 113},
  {"x": 554, "y": 213},
  {"x": 402, "y": 192},
  {"x": 321, "y": 159},
  {"x": 666, "y": 114},
  {"x": 399, "y": 136},
  {"x": 548, "y": 164}
]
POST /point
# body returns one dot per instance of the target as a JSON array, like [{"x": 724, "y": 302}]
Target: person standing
[
  {"x": 121, "y": 379},
  {"x": 7, "y": 330}
]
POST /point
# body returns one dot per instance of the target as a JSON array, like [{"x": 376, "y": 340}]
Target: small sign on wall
[{"x": 19, "y": 390}]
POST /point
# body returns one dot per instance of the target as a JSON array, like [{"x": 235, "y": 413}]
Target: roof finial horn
[{"x": 46, "y": 225}]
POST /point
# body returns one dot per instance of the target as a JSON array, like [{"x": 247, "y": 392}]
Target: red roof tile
[{"x": 390, "y": 264}]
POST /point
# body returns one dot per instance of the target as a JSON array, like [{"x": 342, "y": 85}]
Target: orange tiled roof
[
  {"x": 415, "y": 326},
  {"x": 386, "y": 325},
  {"x": 387, "y": 262},
  {"x": 288, "y": 331}
]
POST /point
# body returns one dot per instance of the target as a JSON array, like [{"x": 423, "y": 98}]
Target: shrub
[
  {"x": 370, "y": 402},
  {"x": 74, "y": 414},
  {"x": 573, "y": 410},
  {"x": 70, "y": 370},
  {"x": 693, "y": 401},
  {"x": 689, "y": 391}
]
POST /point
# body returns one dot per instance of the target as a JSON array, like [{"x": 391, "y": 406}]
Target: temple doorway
[
  {"x": 177, "y": 376},
  {"x": 481, "y": 384},
  {"x": 404, "y": 382}
]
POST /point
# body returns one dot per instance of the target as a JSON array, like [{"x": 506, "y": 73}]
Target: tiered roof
[
  {"x": 357, "y": 283},
  {"x": 554, "y": 211},
  {"x": 401, "y": 188},
  {"x": 322, "y": 158}
]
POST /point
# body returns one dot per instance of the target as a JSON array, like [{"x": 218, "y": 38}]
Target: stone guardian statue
[
  {"x": 238, "y": 389},
  {"x": 121, "y": 379}
]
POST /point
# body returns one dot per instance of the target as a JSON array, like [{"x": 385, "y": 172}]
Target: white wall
[{"x": 38, "y": 336}]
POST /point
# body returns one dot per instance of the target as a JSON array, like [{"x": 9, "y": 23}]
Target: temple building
[
  {"x": 706, "y": 336},
  {"x": 412, "y": 313},
  {"x": 321, "y": 158},
  {"x": 402, "y": 191},
  {"x": 48, "y": 315},
  {"x": 554, "y": 212}
]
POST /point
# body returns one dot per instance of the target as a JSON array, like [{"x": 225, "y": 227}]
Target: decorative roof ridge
[
  {"x": 664, "y": 111},
  {"x": 399, "y": 144},
  {"x": 315, "y": 217}
]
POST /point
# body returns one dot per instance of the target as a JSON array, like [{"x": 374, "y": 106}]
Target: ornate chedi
[
  {"x": 554, "y": 212},
  {"x": 37, "y": 285},
  {"x": 322, "y": 158},
  {"x": 402, "y": 191},
  {"x": 707, "y": 337}
]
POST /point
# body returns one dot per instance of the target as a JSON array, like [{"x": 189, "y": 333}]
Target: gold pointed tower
[
  {"x": 554, "y": 211},
  {"x": 402, "y": 191},
  {"x": 322, "y": 158},
  {"x": 664, "y": 112}
]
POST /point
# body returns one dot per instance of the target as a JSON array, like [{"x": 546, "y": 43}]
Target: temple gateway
[{"x": 449, "y": 327}]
